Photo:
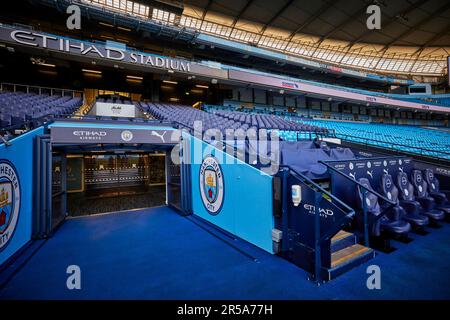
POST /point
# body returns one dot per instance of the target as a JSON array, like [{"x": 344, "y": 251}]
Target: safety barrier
[{"x": 308, "y": 228}]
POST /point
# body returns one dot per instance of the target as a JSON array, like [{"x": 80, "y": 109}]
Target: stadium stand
[
  {"x": 226, "y": 120},
  {"x": 19, "y": 108},
  {"x": 415, "y": 140},
  {"x": 113, "y": 174},
  {"x": 411, "y": 139}
]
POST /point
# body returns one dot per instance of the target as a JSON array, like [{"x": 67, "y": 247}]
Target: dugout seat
[
  {"x": 408, "y": 199},
  {"x": 392, "y": 223},
  {"x": 434, "y": 191},
  {"x": 390, "y": 191}
]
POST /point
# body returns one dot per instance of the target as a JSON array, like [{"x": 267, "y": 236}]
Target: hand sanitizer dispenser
[{"x": 296, "y": 194}]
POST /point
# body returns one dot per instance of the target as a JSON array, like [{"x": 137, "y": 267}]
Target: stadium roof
[
  {"x": 411, "y": 30},
  {"x": 414, "y": 38}
]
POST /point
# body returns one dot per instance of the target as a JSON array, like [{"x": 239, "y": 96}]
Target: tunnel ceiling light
[
  {"x": 107, "y": 37},
  {"x": 124, "y": 29},
  {"x": 106, "y": 24},
  {"x": 44, "y": 64},
  {"x": 169, "y": 81},
  {"x": 91, "y": 71}
]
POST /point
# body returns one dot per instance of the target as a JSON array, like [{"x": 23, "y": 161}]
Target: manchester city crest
[
  {"x": 126, "y": 135},
  {"x": 211, "y": 185},
  {"x": 9, "y": 201}
]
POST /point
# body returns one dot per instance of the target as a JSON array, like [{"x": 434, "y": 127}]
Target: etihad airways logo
[
  {"x": 322, "y": 211},
  {"x": 89, "y": 134},
  {"x": 73, "y": 46}
]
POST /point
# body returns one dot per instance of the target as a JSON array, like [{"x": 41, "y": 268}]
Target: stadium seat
[
  {"x": 408, "y": 199},
  {"x": 389, "y": 223},
  {"x": 434, "y": 191},
  {"x": 421, "y": 191},
  {"x": 390, "y": 191}
]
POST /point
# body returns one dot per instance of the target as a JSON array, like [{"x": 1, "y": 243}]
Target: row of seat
[
  {"x": 17, "y": 108},
  {"x": 222, "y": 121},
  {"x": 417, "y": 203},
  {"x": 113, "y": 99},
  {"x": 265, "y": 121},
  {"x": 417, "y": 140}
]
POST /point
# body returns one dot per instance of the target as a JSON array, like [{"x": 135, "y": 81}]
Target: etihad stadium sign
[{"x": 93, "y": 50}]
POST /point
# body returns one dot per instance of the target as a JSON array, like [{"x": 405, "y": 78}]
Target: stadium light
[
  {"x": 91, "y": 71},
  {"x": 170, "y": 82},
  {"x": 106, "y": 24},
  {"x": 135, "y": 78},
  {"x": 124, "y": 29},
  {"x": 202, "y": 86}
]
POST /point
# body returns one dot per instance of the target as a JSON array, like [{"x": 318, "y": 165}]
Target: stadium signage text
[
  {"x": 46, "y": 41},
  {"x": 323, "y": 212},
  {"x": 113, "y": 136}
]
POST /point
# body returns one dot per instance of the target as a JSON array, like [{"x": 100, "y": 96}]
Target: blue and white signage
[
  {"x": 211, "y": 185},
  {"x": 9, "y": 201}
]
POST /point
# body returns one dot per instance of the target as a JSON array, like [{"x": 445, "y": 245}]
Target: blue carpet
[{"x": 157, "y": 254}]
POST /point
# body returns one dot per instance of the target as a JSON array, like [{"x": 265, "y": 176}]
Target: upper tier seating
[
  {"x": 18, "y": 108},
  {"x": 428, "y": 142}
]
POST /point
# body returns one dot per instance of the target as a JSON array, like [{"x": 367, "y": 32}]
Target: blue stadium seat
[
  {"x": 442, "y": 202},
  {"x": 422, "y": 195},
  {"x": 390, "y": 191},
  {"x": 390, "y": 223},
  {"x": 408, "y": 200}
]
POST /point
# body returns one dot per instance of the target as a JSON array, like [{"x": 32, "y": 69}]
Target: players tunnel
[{"x": 89, "y": 168}]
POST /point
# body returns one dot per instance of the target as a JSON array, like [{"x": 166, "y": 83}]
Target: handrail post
[
  {"x": 318, "y": 258},
  {"x": 366, "y": 224},
  {"x": 284, "y": 211}
]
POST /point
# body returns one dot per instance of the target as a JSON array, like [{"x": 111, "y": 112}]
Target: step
[
  {"x": 348, "y": 258},
  {"x": 341, "y": 240}
]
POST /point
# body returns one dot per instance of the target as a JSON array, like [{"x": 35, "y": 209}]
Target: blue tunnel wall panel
[
  {"x": 246, "y": 209},
  {"x": 21, "y": 154}
]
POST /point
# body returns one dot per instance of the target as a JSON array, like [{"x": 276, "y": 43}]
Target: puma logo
[
  {"x": 370, "y": 173},
  {"x": 161, "y": 136}
]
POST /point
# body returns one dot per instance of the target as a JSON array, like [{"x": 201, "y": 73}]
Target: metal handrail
[
  {"x": 319, "y": 193},
  {"x": 317, "y": 187}
]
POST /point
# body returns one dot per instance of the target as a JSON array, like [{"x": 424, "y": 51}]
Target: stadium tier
[
  {"x": 18, "y": 108},
  {"x": 213, "y": 149},
  {"x": 415, "y": 140}
]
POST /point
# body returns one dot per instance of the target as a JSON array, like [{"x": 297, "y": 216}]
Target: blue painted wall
[
  {"x": 21, "y": 155},
  {"x": 247, "y": 205}
]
